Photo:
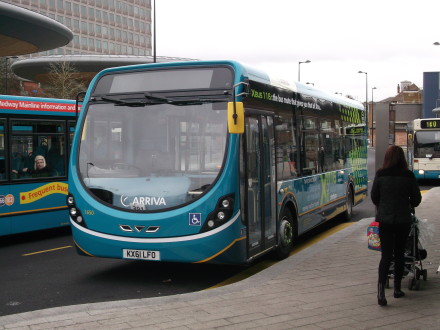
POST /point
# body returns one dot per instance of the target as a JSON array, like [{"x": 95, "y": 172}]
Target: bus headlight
[
  {"x": 221, "y": 214},
  {"x": 421, "y": 172},
  {"x": 70, "y": 200},
  {"x": 74, "y": 212},
  {"x": 225, "y": 203}
]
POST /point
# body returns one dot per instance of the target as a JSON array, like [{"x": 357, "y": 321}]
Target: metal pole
[
  {"x": 372, "y": 116},
  {"x": 154, "y": 27},
  {"x": 366, "y": 94}
]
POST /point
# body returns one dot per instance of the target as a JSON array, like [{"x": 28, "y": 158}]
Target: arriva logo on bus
[{"x": 142, "y": 201}]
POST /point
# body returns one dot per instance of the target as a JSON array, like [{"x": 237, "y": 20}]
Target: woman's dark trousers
[{"x": 393, "y": 240}]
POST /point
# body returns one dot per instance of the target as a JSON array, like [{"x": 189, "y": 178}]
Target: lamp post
[
  {"x": 299, "y": 69},
  {"x": 372, "y": 116},
  {"x": 154, "y": 30},
  {"x": 7, "y": 58},
  {"x": 366, "y": 93}
]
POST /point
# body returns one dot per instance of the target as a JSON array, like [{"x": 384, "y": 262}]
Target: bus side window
[
  {"x": 32, "y": 138},
  {"x": 286, "y": 162},
  {"x": 311, "y": 154}
]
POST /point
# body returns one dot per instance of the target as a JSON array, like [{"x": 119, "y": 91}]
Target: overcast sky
[{"x": 391, "y": 40}]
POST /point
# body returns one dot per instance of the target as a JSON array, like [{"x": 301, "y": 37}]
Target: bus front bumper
[
  {"x": 225, "y": 246},
  {"x": 430, "y": 175}
]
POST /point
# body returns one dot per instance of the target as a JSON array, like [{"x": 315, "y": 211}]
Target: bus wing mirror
[{"x": 235, "y": 117}]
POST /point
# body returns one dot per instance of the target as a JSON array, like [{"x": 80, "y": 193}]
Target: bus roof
[
  {"x": 36, "y": 106},
  {"x": 248, "y": 72}
]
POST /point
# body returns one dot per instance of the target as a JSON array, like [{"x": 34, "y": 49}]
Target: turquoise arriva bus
[
  {"x": 30, "y": 128},
  {"x": 209, "y": 161},
  {"x": 423, "y": 148}
]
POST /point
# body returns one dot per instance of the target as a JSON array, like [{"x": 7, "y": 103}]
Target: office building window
[{"x": 124, "y": 24}]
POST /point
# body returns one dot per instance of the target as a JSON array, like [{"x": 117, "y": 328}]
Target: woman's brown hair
[{"x": 394, "y": 157}]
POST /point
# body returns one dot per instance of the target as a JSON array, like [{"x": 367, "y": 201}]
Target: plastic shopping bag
[
  {"x": 373, "y": 236},
  {"x": 426, "y": 232}
]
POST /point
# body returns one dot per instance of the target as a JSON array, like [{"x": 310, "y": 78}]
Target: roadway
[{"x": 42, "y": 270}]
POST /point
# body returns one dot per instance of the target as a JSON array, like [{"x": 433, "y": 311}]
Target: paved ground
[{"x": 331, "y": 284}]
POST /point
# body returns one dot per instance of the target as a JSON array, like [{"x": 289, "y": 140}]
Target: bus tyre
[
  {"x": 286, "y": 235},
  {"x": 349, "y": 201}
]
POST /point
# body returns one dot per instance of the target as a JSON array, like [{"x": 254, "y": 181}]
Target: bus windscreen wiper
[
  {"x": 151, "y": 99},
  {"x": 188, "y": 100},
  {"x": 130, "y": 103}
]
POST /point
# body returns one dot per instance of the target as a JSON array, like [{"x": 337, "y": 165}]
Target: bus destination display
[{"x": 431, "y": 123}]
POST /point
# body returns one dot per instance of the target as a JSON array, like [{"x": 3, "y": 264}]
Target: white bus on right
[{"x": 423, "y": 148}]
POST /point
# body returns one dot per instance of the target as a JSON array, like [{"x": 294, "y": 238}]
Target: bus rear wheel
[{"x": 286, "y": 235}]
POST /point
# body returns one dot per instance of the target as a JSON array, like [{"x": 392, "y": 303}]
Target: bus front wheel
[{"x": 286, "y": 234}]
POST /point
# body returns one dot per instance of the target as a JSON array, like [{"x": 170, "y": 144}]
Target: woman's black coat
[{"x": 395, "y": 192}]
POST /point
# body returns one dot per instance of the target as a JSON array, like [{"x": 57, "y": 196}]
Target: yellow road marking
[{"x": 51, "y": 250}]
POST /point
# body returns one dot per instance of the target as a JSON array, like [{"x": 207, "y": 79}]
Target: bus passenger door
[{"x": 260, "y": 169}]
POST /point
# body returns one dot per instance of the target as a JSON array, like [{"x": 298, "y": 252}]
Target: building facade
[
  {"x": 113, "y": 27},
  {"x": 404, "y": 107}
]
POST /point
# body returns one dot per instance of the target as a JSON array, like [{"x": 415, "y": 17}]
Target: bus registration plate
[{"x": 141, "y": 254}]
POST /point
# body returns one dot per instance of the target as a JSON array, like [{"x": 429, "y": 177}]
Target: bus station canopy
[
  {"x": 23, "y": 31},
  {"x": 84, "y": 66}
]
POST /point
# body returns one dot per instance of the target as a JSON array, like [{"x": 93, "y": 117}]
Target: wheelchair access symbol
[{"x": 195, "y": 219}]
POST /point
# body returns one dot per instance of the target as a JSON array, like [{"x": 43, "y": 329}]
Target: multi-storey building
[{"x": 114, "y": 27}]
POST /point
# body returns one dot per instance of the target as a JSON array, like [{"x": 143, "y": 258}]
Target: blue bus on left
[{"x": 35, "y": 135}]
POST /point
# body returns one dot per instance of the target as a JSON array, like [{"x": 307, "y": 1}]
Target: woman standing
[{"x": 395, "y": 193}]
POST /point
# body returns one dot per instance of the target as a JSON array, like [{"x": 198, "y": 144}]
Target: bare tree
[
  {"x": 64, "y": 81},
  {"x": 9, "y": 83}
]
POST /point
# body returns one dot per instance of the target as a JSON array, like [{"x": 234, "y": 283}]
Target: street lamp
[
  {"x": 7, "y": 58},
  {"x": 436, "y": 43},
  {"x": 372, "y": 116},
  {"x": 309, "y": 83},
  {"x": 299, "y": 69},
  {"x": 154, "y": 36},
  {"x": 366, "y": 93}
]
